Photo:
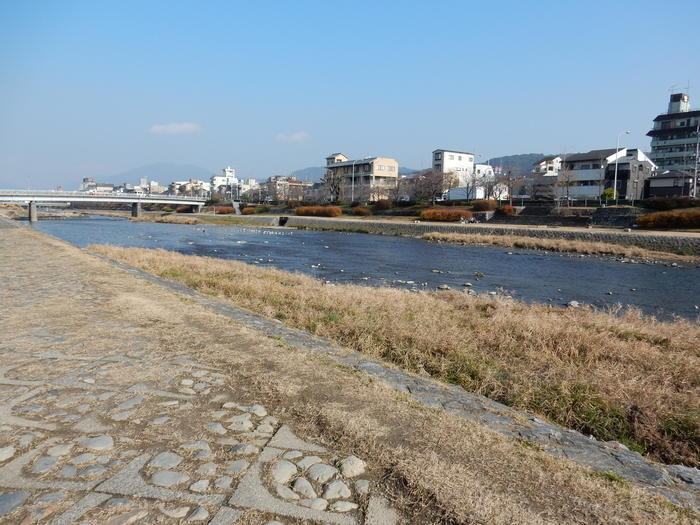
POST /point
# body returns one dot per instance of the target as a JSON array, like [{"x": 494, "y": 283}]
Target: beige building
[
  {"x": 368, "y": 179},
  {"x": 282, "y": 188}
]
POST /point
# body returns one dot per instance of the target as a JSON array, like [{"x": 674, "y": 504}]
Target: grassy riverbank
[
  {"x": 625, "y": 377},
  {"x": 556, "y": 245}
]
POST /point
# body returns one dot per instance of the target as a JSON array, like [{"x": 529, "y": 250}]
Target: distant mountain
[
  {"x": 517, "y": 164},
  {"x": 313, "y": 174},
  {"x": 163, "y": 172},
  {"x": 407, "y": 171}
]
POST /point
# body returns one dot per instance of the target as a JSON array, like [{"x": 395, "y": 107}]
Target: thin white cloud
[
  {"x": 292, "y": 138},
  {"x": 174, "y": 128}
]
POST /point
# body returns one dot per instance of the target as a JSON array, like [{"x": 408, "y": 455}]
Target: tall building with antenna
[{"x": 675, "y": 137}]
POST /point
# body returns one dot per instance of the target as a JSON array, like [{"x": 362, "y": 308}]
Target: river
[{"x": 376, "y": 260}]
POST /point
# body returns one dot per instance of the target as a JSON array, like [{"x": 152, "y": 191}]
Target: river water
[{"x": 376, "y": 260}]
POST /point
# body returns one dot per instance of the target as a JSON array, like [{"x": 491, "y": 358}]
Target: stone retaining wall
[{"x": 669, "y": 243}]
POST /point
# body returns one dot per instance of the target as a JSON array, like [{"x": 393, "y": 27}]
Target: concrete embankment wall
[{"x": 669, "y": 243}]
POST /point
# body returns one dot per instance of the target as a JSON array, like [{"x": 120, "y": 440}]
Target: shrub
[
  {"x": 670, "y": 219},
  {"x": 224, "y": 210},
  {"x": 670, "y": 203},
  {"x": 362, "y": 211},
  {"x": 263, "y": 208},
  {"x": 167, "y": 209},
  {"x": 248, "y": 210},
  {"x": 183, "y": 209},
  {"x": 319, "y": 211},
  {"x": 608, "y": 194},
  {"x": 383, "y": 204},
  {"x": 506, "y": 209},
  {"x": 488, "y": 205},
  {"x": 441, "y": 214},
  {"x": 354, "y": 204}
]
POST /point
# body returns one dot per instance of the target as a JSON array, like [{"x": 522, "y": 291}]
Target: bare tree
[
  {"x": 333, "y": 182},
  {"x": 566, "y": 179},
  {"x": 431, "y": 184}
]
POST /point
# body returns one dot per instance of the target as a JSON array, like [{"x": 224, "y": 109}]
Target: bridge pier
[
  {"x": 33, "y": 215},
  {"x": 197, "y": 208},
  {"x": 136, "y": 210}
]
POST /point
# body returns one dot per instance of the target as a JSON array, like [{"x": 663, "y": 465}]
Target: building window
[
  {"x": 438, "y": 156},
  {"x": 438, "y": 167},
  {"x": 459, "y": 157},
  {"x": 451, "y": 157}
]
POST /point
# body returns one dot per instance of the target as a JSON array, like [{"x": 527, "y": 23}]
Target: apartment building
[
  {"x": 368, "y": 179},
  {"x": 547, "y": 166},
  {"x": 674, "y": 139},
  {"x": 284, "y": 188},
  {"x": 587, "y": 175},
  {"x": 226, "y": 179},
  {"x": 459, "y": 163}
]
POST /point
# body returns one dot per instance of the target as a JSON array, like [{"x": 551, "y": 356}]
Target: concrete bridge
[{"x": 32, "y": 197}]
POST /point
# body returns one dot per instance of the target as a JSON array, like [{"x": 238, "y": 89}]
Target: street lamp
[
  {"x": 352, "y": 186},
  {"x": 617, "y": 153}
]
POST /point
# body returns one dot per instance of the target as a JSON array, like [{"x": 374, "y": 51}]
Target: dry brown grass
[
  {"x": 167, "y": 219},
  {"x": 555, "y": 245},
  {"x": 443, "y": 469},
  {"x": 626, "y": 377}
]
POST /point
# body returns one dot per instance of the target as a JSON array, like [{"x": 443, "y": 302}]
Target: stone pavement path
[{"x": 109, "y": 433}]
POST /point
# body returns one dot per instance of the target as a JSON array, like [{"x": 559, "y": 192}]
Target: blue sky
[{"x": 98, "y": 87}]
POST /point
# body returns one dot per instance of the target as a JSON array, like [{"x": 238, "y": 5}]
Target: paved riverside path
[{"x": 99, "y": 425}]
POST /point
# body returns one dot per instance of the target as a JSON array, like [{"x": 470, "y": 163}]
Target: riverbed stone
[
  {"x": 308, "y": 461},
  {"x": 198, "y": 514},
  {"x": 237, "y": 466},
  {"x": 352, "y": 466},
  {"x": 103, "y": 442},
  {"x": 207, "y": 469},
  {"x": 244, "y": 449},
  {"x": 336, "y": 490},
  {"x": 133, "y": 516},
  {"x": 314, "y": 503},
  {"x": 195, "y": 445},
  {"x": 304, "y": 488},
  {"x": 216, "y": 428},
  {"x": 285, "y": 492},
  {"x": 9, "y": 501},
  {"x": 80, "y": 459},
  {"x": 44, "y": 464},
  {"x": 174, "y": 512},
  {"x": 60, "y": 450},
  {"x": 165, "y": 460},
  {"x": 282, "y": 471},
  {"x": 168, "y": 478},
  {"x": 320, "y": 472},
  {"x": 343, "y": 506},
  {"x": 7, "y": 452},
  {"x": 224, "y": 482},
  {"x": 200, "y": 486}
]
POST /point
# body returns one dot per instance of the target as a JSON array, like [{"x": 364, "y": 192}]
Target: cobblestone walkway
[{"x": 109, "y": 433}]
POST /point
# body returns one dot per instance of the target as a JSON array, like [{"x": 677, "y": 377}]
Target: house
[
  {"x": 675, "y": 137},
  {"x": 458, "y": 163},
  {"x": 669, "y": 183},
  {"x": 586, "y": 175},
  {"x": 282, "y": 188},
  {"x": 544, "y": 175},
  {"x": 368, "y": 179}
]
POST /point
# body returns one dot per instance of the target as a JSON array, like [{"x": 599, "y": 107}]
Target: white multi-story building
[
  {"x": 674, "y": 139},
  {"x": 547, "y": 166},
  {"x": 458, "y": 163},
  {"x": 227, "y": 178}
]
